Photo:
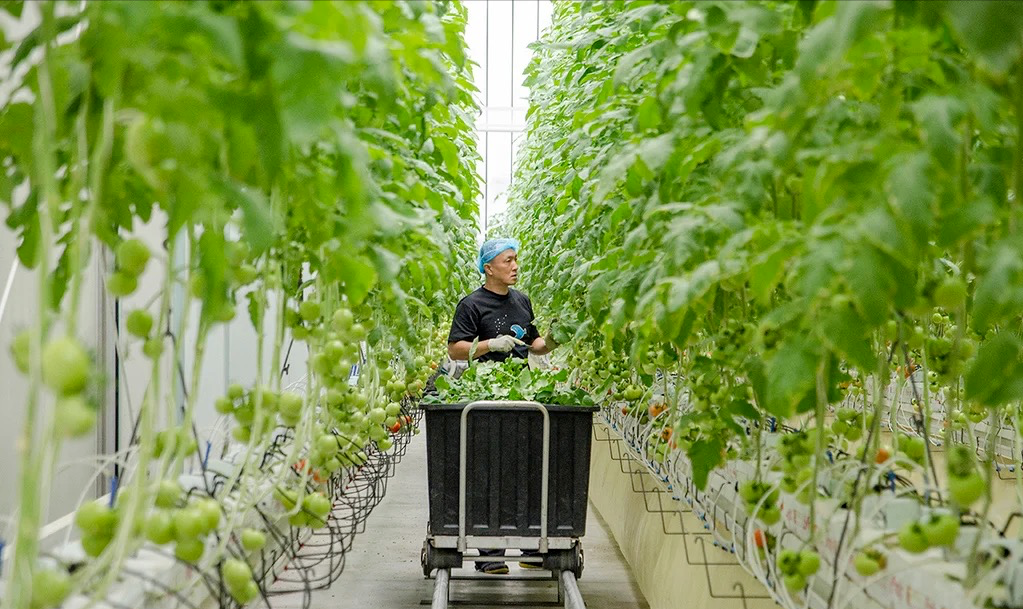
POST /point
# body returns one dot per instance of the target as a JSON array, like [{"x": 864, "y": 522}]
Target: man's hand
[{"x": 503, "y": 344}]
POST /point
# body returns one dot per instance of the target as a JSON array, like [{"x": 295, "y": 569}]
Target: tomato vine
[
  {"x": 309, "y": 165},
  {"x": 783, "y": 207}
]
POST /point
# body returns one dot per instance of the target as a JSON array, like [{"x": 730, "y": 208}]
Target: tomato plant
[
  {"x": 768, "y": 215},
  {"x": 310, "y": 168}
]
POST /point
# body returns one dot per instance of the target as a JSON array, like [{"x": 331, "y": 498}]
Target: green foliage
[
  {"x": 288, "y": 152},
  {"x": 773, "y": 184},
  {"x": 509, "y": 380}
]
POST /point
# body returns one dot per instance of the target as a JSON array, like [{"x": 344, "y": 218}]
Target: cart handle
[{"x": 545, "y": 467}]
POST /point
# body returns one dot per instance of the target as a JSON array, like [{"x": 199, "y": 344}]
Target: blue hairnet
[{"x": 490, "y": 249}]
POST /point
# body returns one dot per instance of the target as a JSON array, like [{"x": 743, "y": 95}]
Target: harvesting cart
[{"x": 513, "y": 476}]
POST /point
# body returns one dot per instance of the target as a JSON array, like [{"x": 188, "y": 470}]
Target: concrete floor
[{"x": 382, "y": 569}]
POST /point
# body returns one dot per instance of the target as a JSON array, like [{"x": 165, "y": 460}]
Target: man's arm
[
  {"x": 539, "y": 347},
  {"x": 460, "y": 349}
]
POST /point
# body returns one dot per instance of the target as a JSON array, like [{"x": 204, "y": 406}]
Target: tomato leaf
[
  {"x": 1004, "y": 353},
  {"x": 704, "y": 455}
]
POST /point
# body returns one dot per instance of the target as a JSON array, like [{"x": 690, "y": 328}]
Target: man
[{"x": 501, "y": 319}]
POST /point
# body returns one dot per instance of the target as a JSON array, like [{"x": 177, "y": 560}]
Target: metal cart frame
[{"x": 562, "y": 555}]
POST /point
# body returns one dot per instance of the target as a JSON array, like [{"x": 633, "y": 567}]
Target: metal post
[
  {"x": 440, "y": 589},
  {"x": 573, "y": 598},
  {"x": 544, "y": 472}
]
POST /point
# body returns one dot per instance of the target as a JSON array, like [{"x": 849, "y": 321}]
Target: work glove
[{"x": 503, "y": 344}]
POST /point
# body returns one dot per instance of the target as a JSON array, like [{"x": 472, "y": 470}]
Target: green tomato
[
  {"x": 334, "y": 398},
  {"x": 788, "y": 562},
  {"x": 65, "y": 365},
  {"x": 188, "y": 523},
  {"x": 153, "y": 348},
  {"x": 316, "y": 504},
  {"x": 168, "y": 493},
  {"x": 914, "y": 448},
  {"x": 291, "y": 403},
  {"x": 343, "y": 319},
  {"x": 245, "y": 414},
  {"x": 299, "y": 519},
  {"x": 189, "y": 550},
  {"x": 246, "y": 594},
  {"x": 132, "y": 255},
  {"x": 377, "y": 433},
  {"x": 96, "y": 519},
  {"x": 941, "y": 530},
  {"x": 912, "y": 538},
  {"x": 916, "y": 338},
  {"x": 377, "y": 415},
  {"x": 235, "y": 391},
  {"x": 139, "y": 323},
  {"x": 795, "y": 582},
  {"x": 223, "y": 405},
  {"x": 75, "y": 418},
  {"x": 236, "y": 573},
  {"x": 393, "y": 409},
  {"x": 20, "y": 350},
  {"x": 309, "y": 310},
  {"x": 966, "y": 490},
  {"x": 253, "y": 539},
  {"x": 49, "y": 588},
  {"x": 242, "y": 434},
  {"x": 950, "y": 293},
  {"x": 327, "y": 445},
  {"x": 385, "y": 444},
  {"x": 865, "y": 565},
  {"x": 287, "y": 497},
  {"x": 95, "y": 544},
  {"x": 269, "y": 398},
  {"x": 809, "y": 562},
  {"x": 770, "y": 515},
  {"x": 121, "y": 284},
  {"x": 160, "y": 527},
  {"x": 209, "y": 509}
]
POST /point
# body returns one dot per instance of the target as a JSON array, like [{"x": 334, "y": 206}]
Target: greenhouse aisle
[{"x": 382, "y": 569}]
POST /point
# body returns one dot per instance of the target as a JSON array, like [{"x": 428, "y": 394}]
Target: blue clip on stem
[
  {"x": 206, "y": 457},
  {"x": 114, "y": 481}
]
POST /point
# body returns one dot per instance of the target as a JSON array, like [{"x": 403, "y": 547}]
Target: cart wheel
[
  {"x": 578, "y": 561},
  {"x": 424, "y": 559}
]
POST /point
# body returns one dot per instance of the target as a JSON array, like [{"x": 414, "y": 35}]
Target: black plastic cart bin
[
  {"x": 507, "y": 475},
  {"x": 503, "y": 470}
]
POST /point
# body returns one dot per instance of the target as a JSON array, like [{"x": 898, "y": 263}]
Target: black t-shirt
[{"x": 485, "y": 314}]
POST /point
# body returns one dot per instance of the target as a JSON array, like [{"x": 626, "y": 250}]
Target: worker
[{"x": 501, "y": 319}]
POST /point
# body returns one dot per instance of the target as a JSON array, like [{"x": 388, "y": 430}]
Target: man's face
[{"x": 504, "y": 268}]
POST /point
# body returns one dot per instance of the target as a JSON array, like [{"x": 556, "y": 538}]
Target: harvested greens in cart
[{"x": 509, "y": 380}]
